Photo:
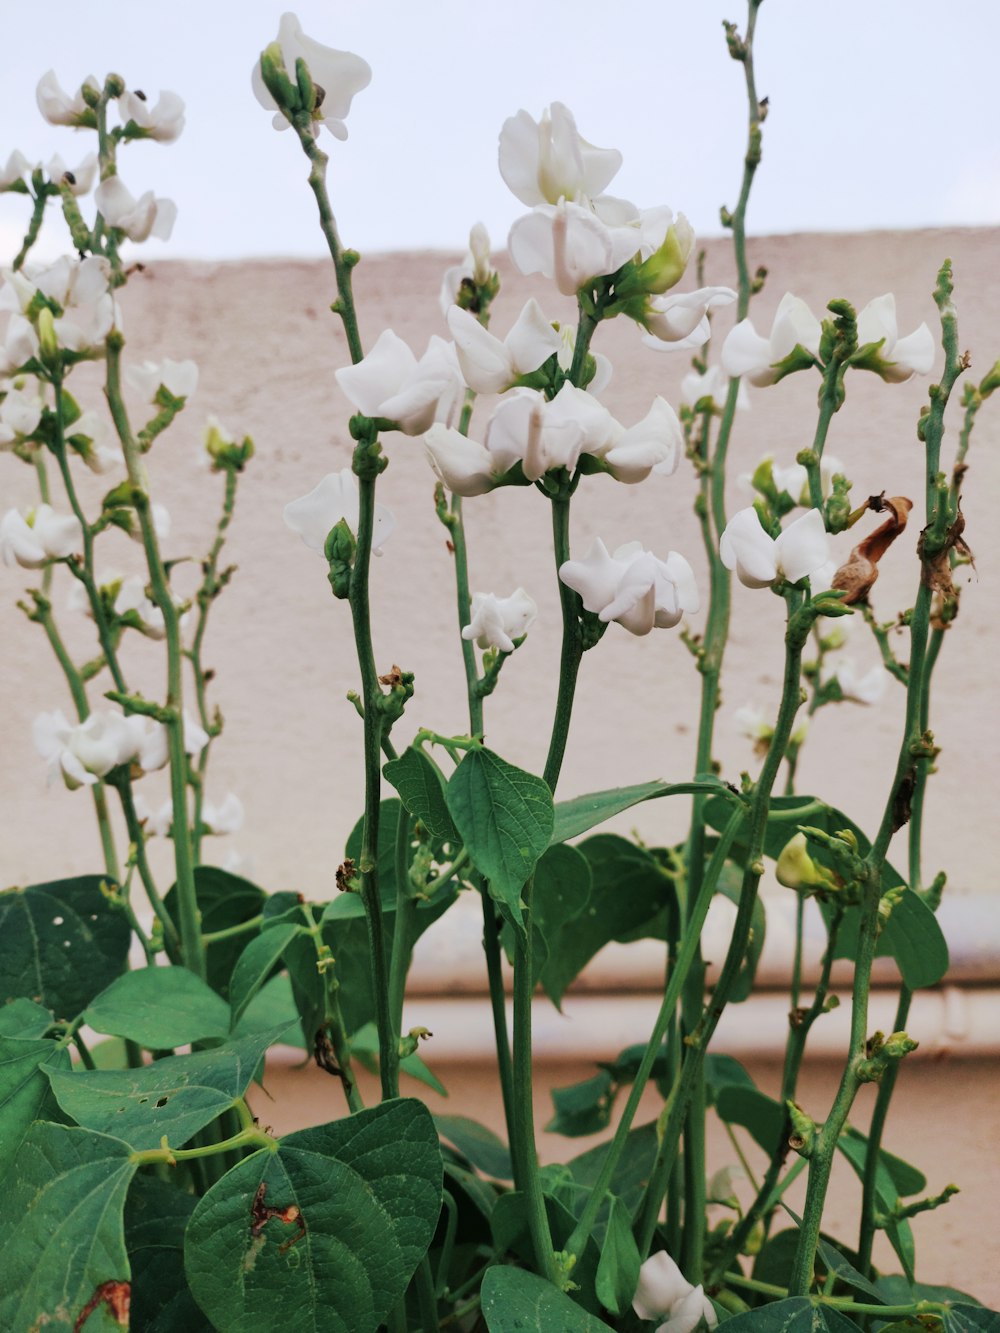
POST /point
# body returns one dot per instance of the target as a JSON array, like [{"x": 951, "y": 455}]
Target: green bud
[
  {"x": 412, "y": 1039},
  {"x": 898, "y": 1045},
  {"x": 991, "y": 380},
  {"x": 47, "y": 341},
  {"x": 796, "y": 869},
  {"x": 222, "y": 448},
  {"x": 665, "y": 267},
  {"x": 114, "y": 86},
  {"x": 763, "y": 480},
  {"x": 277, "y": 82},
  {"x": 309, "y": 96},
  {"x": 803, "y": 1133},
  {"x": 339, "y": 550}
]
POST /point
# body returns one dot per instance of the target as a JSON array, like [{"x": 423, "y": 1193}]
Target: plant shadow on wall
[{"x": 139, "y": 1184}]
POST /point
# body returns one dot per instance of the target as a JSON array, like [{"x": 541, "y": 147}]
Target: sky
[{"x": 883, "y": 113}]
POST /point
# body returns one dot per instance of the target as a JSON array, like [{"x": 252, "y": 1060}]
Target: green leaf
[
  {"x": 971, "y": 1319},
  {"x": 421, "y": 789},
  {"x": 916, "y": 941},
  {"x": 582, "y": 1108},
  {"x": 504, "y": 817},
  {"x": 895, "y": 1289},
  {"x": 359, "y": 1200},
  {"x": 761, "y": 1115},
  {"x": 797, "y": 1314},
  {"x": 899, "y": 1233},
  {"x": 175, "y": 1096},
  {"x": 516, "y": 1301},
  {"x": 61, "y": 943},
  {"x": 618, "y": 1269},
  {"x": 721, "y": 1070},
  {"x": 559, "y": 896},
  {"x": 224, "y": 901},
  {"x": 846, "y": 1272},
  {"x": 906, "y": 1177},
  {"x": 24, "y": 1089},
  {"x": 61, "y": 1230},
  {"x": 511, "y": 1232},
  {"x": 159, "y": 1007},
  {"x": 24, "y": 1018},
  {"x": 477, "y": 1144},
  {"x": 630, "y": 1174},
  {"x": 256, "y": 963},
  {"x": 585, "y": 812},
  {"x": 156, "y": 1215},
  {"x": 628, "y": 891}
]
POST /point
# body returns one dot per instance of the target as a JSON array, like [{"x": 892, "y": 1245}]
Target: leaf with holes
[
  {"x": 504, "y": 816},
  {"x": 61, "y": 943},
  {"x": 61, "y": 1231},
  {"x": 159, "y": 1008},
  {"x": 24, "y": 1089},
  {"x": 324, "y": 1233},
  {"x": 175, "y": 1097}
]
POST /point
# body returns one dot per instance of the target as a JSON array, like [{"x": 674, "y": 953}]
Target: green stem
[
  {"x": 34, "y": 226},
  {"x": 799, "y": 621},
  {"x": 572, "y": 644},
  {"x": 246, "y": 1138},
  {"x": 388, "y": 1037},
  {"x": 405, "y": 924},
  {"x": 333, "y": 1017},
  {"x": 138, "y": 840},
  {"x": 231, "y": 932},
  {"x": 685, "y": 958},
  {"x": 829, "y": 402}
]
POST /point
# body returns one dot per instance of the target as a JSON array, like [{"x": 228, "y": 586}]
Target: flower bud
[
  {"x": 47, "y": 341},
  {"x": 991, "y": 380},
  {"x": 339, "y": 550},
  {"x": 797, "y": 870},
  {"x": 479, "y": 249},
  {"x": 223, "y": 450},
  {"x": 665, "y": 267},
  {"x": 276, "y": 80}
]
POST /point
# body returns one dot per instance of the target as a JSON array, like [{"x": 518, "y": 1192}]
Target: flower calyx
[{"x": 880, "y": 1053}]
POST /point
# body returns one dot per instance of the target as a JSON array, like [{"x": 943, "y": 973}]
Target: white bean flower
[
  {"x": 713, "y": 385},
  {"x": 632, "y": 586},
  {"x": 475, "y": 268},
  {"x": 664, "y": 1290},
  {"x": 162, "y": 121},
  {"x": 228, "y": 817},
  {"x": 882, "y": 350},
  {"x": 179, "y": 378},
  {"x": 499, "y": 622},
  {"x": 570, "y": 243},
  {"x": 80, "y": 178},
  {"x": 547, "y": 160},
  {"x": 392, "y": 384},
  {"x": 465, "y": 466},
  {"x": 80, "y": 288},
  {"x": 490, "y": 365},
  {"x": 155, "y": 823},
  {"x": 137, "y": 218},
  {"x": 315, "y": 515},
  {"x": 152, "y": 749},
  {"x": 759, "y": 559},
  {"x": 61, "y": 108},
  {"x": 20, "y": 413},
  {"x": 20, "y": 344},
  {"x": 14, "y": 171},
  {"x": 88, "y": 750},
  {"x": 340, "y": 74},
  {"x": 33, "y": 539},
  {"x": 867, "y": 688},
  {"x": 792, "y": 344}
]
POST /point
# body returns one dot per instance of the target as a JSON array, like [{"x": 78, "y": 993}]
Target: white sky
[{"x": 884, "y": 113}]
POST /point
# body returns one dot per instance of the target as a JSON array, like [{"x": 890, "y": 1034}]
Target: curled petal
[
  {"x": 465, "y": 466},
  {"x": 595, "y": 577}
]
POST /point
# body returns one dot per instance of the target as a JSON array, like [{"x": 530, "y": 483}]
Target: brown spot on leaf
[
  {"x": 858, "y": 573},
  {"x": 261, "y": 1213},
  {"x": 117, "y": 1296}
]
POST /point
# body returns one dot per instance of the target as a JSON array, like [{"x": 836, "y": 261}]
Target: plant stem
[
  {"x": 829, "y": 402},
  {"x": 138, "y": 840},
  {"x": 572, "y": 645},
  {"x": 799, "y": 622}
]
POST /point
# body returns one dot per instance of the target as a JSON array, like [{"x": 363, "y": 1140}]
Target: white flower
[
  {"x": 794, "y": 479},
  {"x": 489, "y": 365},
  {"x": 465, "y": 466},
  {"x": 179, "y": 378},
  {"x": 14, "y": 170},
  {"x": 61, "y": 108},
  {"x": 542, "y": 435},
  {"x": 861, "y": 689},
  {"x": 895, "y": 358},
  {"x": 155, "y": 823},
  {"x": 766, "y": 360},
  {"x": 664, "y": 1290},
  {"x": 163, "y": 122},
  {"x": 152, "y": 749},
  {"x": 93, "y": 439},
  {"x": 80, "y": 178},
  {"x": 225, "y": 818},
  {"x": 570, "y": 243},
  {"x": 632, "y": 586},
  {"x": 475, "y": 268},
  {"x": 714, "y": 384},
  {"x": 20, "y": 344},
  {"x": 392, "y": 384},
  {"x": 90, "y": 749},
  {"x": 679, "y": 321},
  {"x": 20, "y": 413},
  {"x": 137, "y": 218},
  {"x": 801, "y": 549},
  {"x": 498, "y": 621},
  {"x": 653, "y": 445},
  {"x": 78, "y": 287},
  {"x": 753, "y": 723},
  {"x": 41, "y": 536},
  {"x": 340, "y": 74},
  {"x": 315, "y": 515},
  {"x": 547, "y": 160}
]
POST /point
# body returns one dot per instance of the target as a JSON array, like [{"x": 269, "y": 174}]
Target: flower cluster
[{"x": 83, "y": 752}]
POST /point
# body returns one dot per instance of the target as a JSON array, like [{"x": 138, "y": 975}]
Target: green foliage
[
  {"x": 559, "y": 897},
  {"x": 516, "y": 1301},
  {"x": 582, "y": 1108},
  {"x": 795, "y": 1315},
  {"x": 224, "y": 901},
  {"x": 760, "y": 1115},
  {"x": 479, "y": 1146},
  {"x": 156, "y": 1216},
  {"x": 583, "y": 813},
  {"x": 618, "y": 1269},
  {"x": 61, "y": 943},
  {"x": 61, "y": 1231},
  {"x": 257, "y": 963},
  {"x": 504, "y": 817},
  {"x": 175, "y": 1096},
  {"x": 159, "y": 1007},
  {"x": 422, "y": 790},
  {"x": 24, "y": 1089},
  {"x": 323, "y": 1233},
  {"x": 24, "y": 1018}
]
